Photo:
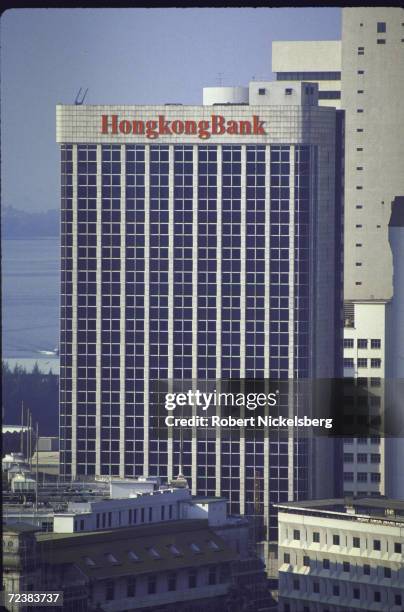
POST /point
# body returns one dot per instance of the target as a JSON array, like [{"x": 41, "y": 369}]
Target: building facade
[
  {"x": 368, "y": 64},
  {"x": 197, "y": 243},
  {"x": 341, "y": 555}
]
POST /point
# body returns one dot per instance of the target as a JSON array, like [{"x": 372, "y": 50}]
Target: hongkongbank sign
[{"x": 204, "y": 129}]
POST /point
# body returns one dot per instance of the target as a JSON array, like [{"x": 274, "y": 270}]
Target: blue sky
[{"x": 125, "y": 56}]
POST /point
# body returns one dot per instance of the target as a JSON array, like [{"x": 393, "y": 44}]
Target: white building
[
  {"x": 341, "y": 556},
  {"x": 370, "y": 62},
  {"x": 313, "y": 61}
]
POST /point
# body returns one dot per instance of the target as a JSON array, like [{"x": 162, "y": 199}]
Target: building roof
[
  {"x": 138, "y": 550},
  {"x": 19, "y": 528},
  {"x": 377, "y": 507}
]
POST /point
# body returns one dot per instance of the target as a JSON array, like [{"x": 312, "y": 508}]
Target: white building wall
[
  {"x": 310, "y": 588},
  {"x": 372, "y": 95},
  {"x": 369, "y": 325}
]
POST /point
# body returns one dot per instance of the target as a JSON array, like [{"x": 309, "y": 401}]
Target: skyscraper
[
  {"x": 198, "y": 242},
  {"x": 370, "y": 58}
]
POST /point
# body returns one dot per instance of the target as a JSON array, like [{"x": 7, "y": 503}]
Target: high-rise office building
[
  {"x": 370, "y": 61},
  {"x": 316, "y": 61},
  {"x": 198, "y": 242}
]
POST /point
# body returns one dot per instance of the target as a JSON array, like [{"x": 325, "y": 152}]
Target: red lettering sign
[{"x": 217, "y": 126}]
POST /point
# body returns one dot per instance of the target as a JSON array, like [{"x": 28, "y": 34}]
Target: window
[
  {"x": 360, "y": 91},
  {"x": 348, "y": 362},
  {"x": 348, "y": 343},
  {"x": 316, "y": 536},
  {"x": 361, "y": 72},
  {"x": 362, "y": 362},
  {"x": 306, "y": 561},
  {"x": 172, "y": 581},
  {"x": 375, "y": 363},
  {"x": 348, "y": 476},
  {"x": 154, "y": 553},
  {"x": 131, "y": 586},
  {"x": 195, "y": 548},
  {"x": 375, "y": 477},
  {"x": 397, "y": 548},
  {"x": 366, "y": 569},
  {"x": 296, "y": 534},
  {"x": 133, "y": 556},
  {"x": 375, "y": 458},
  {"x": 362, "y": 458},
  {"x": 375, "y": 440},
  {"x": 109, "y": 590},
  {"x": 361, "y": 50},
  {"x": 326, "y": 564},
  {"x": 261, "y": 91},
  {"x": 192, "y": 579},
  {"x": 381, "y": 27},
  {"x": 362, "y": 343},
  {"x": 362, "y": 477},
  {"x": 335, "y": 540},
  {"x": 381, "y": 41},
  {"x": 387, "y": 572},
  {"x": 151, "y": 585},
  {"x": 112, "y": 559},
  {"x": 174, "y": 550},
  {"x": 356, "y": 543},
  {"x": 335, "y": 590},
  {"x": 316, "y": 587},
  {"x": 356, "y": 593},
  {"x": 377, "y": 545},
  {"x": 376, "y": 596},
  {"x": 288, "y": 91},
  {"x": 212, "y": 575},
  {"x": 286, "y": 557},
  {"x": 88, "y": 561},
  {"x": 348, "y": 457},
  {"x": 296, "y": 584},
  {"x": 150, "y": 514},
  {"x": 346, "y": 566},
  {"x": 397, "y": 599},
  {"x": 359, "y": 110},
  {"x": 375, "y": 343}
]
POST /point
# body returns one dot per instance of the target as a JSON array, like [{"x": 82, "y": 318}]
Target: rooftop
[
  {"x": 371, "y": 507},
  {"x": 137, "y": 550}
]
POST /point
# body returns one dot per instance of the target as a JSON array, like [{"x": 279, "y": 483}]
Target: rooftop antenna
[
  {"x": 80, "y": 97},
  {"x": 220, "y": 78}
]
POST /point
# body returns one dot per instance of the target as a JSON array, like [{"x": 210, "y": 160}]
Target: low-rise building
[
  {"x": 183, "y": 565},
  {"x": 341, "y": 555}
]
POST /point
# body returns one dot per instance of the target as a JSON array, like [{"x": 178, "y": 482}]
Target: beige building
[
  {"x": 337, "y": 555},
  {"x": 370, "y": 63}
]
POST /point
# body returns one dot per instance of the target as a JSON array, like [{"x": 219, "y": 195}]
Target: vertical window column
[
  {"x": 74, "y": 317},
  {"x": 122, "y": 368},
  {"x": 218, "y": 445},
  {"x": 146, "y": 390},
  {"x": 98, "y": 326}
]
